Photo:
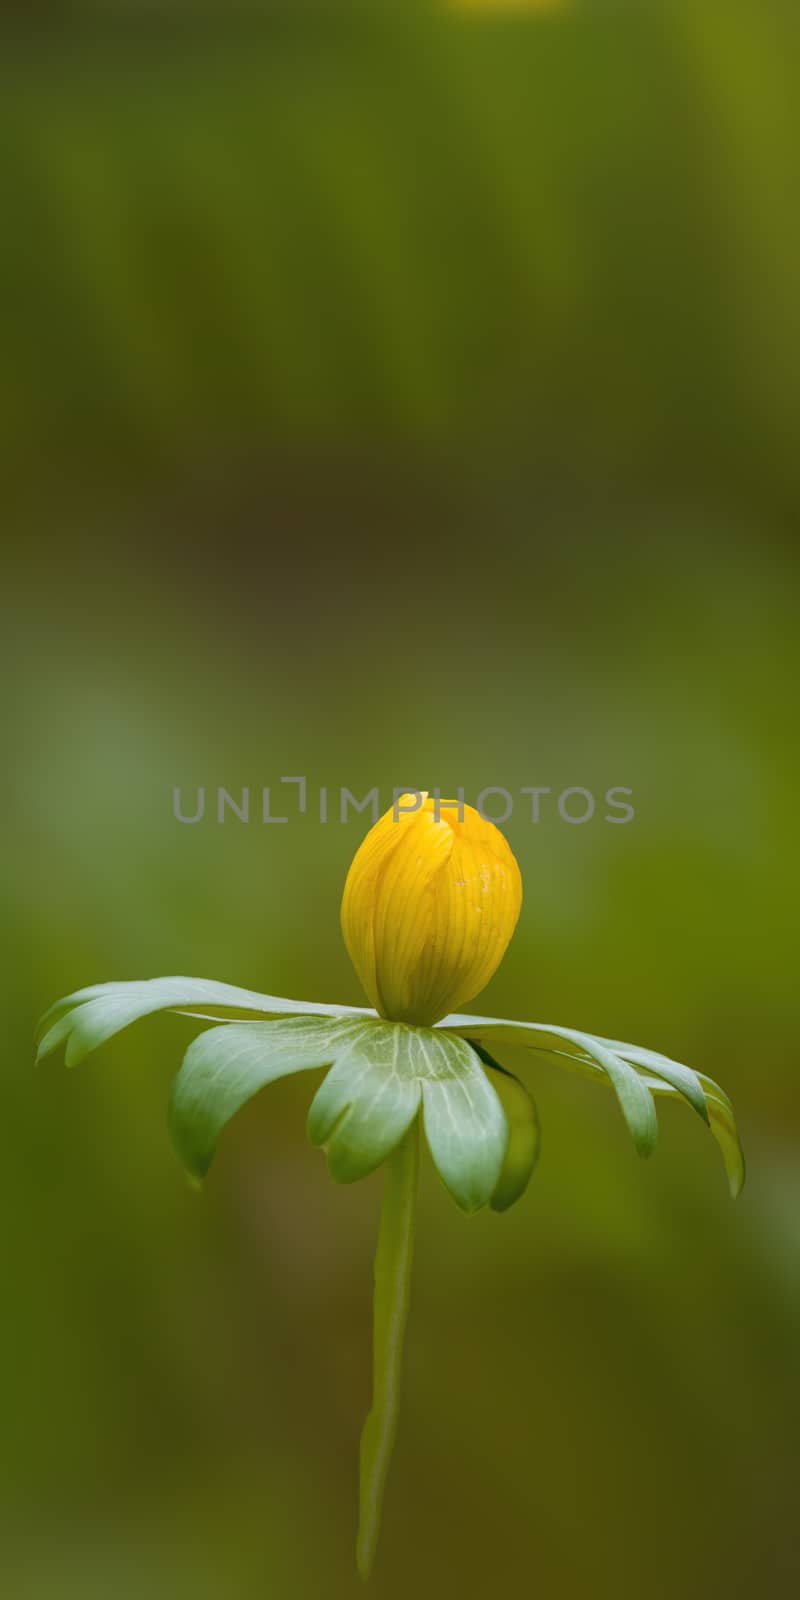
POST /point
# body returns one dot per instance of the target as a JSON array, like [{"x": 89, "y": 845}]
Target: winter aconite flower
[
  {"x": 430, "y": 903},
  {"x": 429, "y": 906}
]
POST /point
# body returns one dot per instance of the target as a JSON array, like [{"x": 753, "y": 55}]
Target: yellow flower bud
[{"x": 429, "y": 907}]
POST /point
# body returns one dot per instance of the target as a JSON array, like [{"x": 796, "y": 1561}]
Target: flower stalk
[{"x": 393, "y": 1262}]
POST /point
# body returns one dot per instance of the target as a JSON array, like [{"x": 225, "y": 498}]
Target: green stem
[{"x": 392, "y": 1294}]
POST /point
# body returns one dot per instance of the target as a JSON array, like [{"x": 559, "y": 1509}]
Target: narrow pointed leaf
[
  {"x": 687, "y": 1082},
  {"x": 659, "y": 1073},
  {"x": 227, "y": 1065},
  {"x": 91, "y": 1016},
  {"x": 365, "y": 1105},
  {"x": 723, "y": 1127},
  {"x": 635, "y": 1099},
  {"x": 465, "y": 1124}
]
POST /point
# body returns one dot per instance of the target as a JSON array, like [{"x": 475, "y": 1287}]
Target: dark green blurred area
[{"x": 401, "y": 399}]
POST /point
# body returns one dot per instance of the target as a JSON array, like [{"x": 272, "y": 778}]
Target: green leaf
[
  {"x": 372, "y": 1094},
  {"x": 635, "y": 1100},
  {"x": 723, "y": 1127},
  {"x": 89, "y": 1017},
  {"x": 365, "y": 1105},
  {"x": 368, "y": 1099},
  {"x": 226, "y": 1066},
  {"x": 588, "y": 1054},
  {"x": 465, "y": 1124},
  {"x": 380, "y": 1073},
  {"x": 722, "y": 1124},
  {"x": 681, "y": 1078},
  {"x": 524, "y": 1140}
]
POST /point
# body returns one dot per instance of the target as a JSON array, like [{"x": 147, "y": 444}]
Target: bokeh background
[{"x": 400, "y": 395}]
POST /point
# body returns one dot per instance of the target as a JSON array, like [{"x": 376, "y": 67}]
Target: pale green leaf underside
[
  {"x": 226, "y": 1066},
  {"x": 381, "y": 1074},
  {"x": 89, "y": 1017},
  {"x": 366, "y": 1098},
  {"x": 632, "y": 1092},
  {"x": 622, "y": 1065}
]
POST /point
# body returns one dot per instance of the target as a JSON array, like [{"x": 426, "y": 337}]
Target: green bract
[{"x": 480, "y": 1121}]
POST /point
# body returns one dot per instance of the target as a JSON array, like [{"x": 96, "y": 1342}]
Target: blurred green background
[{"x": 399, "y": 396}]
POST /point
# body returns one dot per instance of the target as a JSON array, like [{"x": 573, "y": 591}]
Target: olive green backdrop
[{"x": 397, "y": 397}]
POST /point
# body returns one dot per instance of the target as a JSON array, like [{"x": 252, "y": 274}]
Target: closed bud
[{"x": 429, "y": 906}]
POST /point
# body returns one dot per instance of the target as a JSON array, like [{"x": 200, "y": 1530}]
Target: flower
[
  {"x": 429, "y": 906},
  {"x": 430, "y": 903}
]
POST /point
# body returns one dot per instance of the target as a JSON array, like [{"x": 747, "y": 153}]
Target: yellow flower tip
[{"x": 431, "y": 900}]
